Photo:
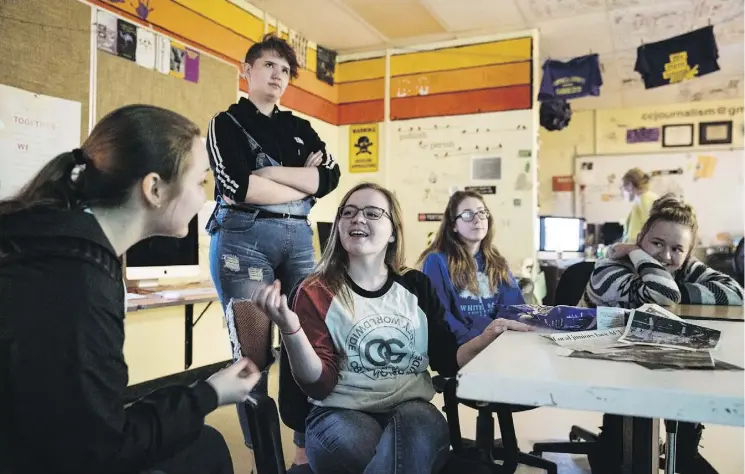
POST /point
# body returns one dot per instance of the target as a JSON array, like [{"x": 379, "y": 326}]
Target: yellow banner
[{"x": 363, "y": 148}]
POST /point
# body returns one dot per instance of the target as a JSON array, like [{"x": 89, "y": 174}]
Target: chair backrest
[
  {"x": 293, "y": 402},
  {"x": 572, "y": 283},
  {"x": 738, "y": 262},
  {"x": 250, "y": 332}
]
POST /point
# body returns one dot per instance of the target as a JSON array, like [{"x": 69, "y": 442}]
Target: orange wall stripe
[
  {"x": 361, "y": 112},
  {"x": 309, "y": 104},
  {"x": 497, "y": 52},
  {"x": 226, "y": 14},
  {"x": 484, "y": 77},
  {"x": 308, "y": 81},
  {"x": 462, "y": 103},
  {"x": 360, "y": 70},
  {"x": 361, "y": 91}
]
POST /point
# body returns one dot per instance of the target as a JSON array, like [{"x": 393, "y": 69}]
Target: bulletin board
[
  {"x": 492, "y": 153},
  {"x": 46, "y": 49},
  {"x": 122, "y": 82},
  {"x": 711, "y": 181}
]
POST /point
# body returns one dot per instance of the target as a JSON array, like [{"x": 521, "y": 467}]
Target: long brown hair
[
  {"x": 461, "y": 265},
  {"x": 669, "y": 208},
  {"x": 332, "y": 267},
  {"x": 125, "y": 146}
]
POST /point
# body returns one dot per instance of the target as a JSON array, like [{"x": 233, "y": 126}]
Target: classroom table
[
  {"x": 709, "y": 312},
  {"x": 182, "y": 295},
  {"x": 526, "y": 369}
]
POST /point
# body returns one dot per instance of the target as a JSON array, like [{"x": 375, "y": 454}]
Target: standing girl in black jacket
[{"x": 140, "y": 173}]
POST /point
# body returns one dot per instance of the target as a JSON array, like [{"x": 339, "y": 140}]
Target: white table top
[{"x": 525, "y": 369}]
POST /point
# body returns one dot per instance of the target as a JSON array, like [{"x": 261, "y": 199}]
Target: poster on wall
[
  {"x": 482, "y": 189},
  {"x": 162, "y": 54},
  {"x": 34, "y": 128},
  {"x": 126, "y": 41},
  {"x": 363, "y": 148},
  {"x": 107, "y": 31},
  {"x": 178, "y": 60},
  {"x": 300, "y": 44},
  {"x": 325, "y": 65},
  {"x": 145, "y": 55}
]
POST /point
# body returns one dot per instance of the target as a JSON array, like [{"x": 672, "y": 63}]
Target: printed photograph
[{"x": 651, "y": 329}]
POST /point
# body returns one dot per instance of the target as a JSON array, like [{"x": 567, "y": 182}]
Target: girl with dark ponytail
[{"x": 140, "y": 173}]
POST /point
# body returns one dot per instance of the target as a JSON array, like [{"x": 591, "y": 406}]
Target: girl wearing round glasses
[
  {"x": 469, "y": 274},
  {"x": 361, "y": 334}
]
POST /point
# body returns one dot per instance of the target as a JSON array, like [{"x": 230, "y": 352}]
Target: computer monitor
[
  {"x": 561, "y": 234},
  {"x": 324, "y": 232},
  {"x": 164, "y": 257}
]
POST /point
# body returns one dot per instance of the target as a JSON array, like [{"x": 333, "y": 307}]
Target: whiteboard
[
  {"x": 34, "y": 128},
  {"x": 711, "y": 181}
]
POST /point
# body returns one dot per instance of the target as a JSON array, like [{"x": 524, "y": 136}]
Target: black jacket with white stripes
[
  {"x": 639, "y": 279},
  {"x": 284, "y": 137}
]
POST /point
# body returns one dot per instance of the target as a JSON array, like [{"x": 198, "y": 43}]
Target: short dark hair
[
  {"x": 270, "y": 42},
  {"x": 126, "y": 145}
]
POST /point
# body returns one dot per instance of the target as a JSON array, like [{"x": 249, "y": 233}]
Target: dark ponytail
[{"x": 125, "y": 146}]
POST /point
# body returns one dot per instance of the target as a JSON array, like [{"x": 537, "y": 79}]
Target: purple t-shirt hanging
[{"x": 578, "y": 77}]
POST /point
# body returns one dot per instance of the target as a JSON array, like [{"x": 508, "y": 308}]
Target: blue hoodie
[{"x": 468, "y": 314}]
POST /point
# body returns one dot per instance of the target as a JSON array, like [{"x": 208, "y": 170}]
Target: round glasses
[
  {"x": 370, "y": 212},
  {"x": 469, "y": 216}
]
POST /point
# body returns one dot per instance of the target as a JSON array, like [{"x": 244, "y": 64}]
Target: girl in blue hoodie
[{"x": 469, "y": 274}]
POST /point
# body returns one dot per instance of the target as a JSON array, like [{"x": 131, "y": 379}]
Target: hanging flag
[
  {"x": 126, "y": 41},
  {"x": 191, "y": 70},
  {"x": 678, "y": 59},
  {"x": 300, "y": 44},
  {"x": 325, "y": 65},
  {"x": 578, "y": 77}
]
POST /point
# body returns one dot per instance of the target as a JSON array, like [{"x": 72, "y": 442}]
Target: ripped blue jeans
[{"x": 246, "y": 253}]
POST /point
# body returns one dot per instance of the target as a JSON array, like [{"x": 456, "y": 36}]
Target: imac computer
[
  {"x": 164, "y": 257},
  {"x": 561, "y": 235}
]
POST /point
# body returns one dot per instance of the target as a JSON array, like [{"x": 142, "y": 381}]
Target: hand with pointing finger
[{"x": 270, "y": 300}]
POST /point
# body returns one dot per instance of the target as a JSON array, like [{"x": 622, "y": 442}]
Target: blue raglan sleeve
[{"x": 435, "y": 269}]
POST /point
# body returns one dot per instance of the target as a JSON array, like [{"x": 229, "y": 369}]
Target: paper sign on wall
[
  {"x": 429, "y": 217},
  {"x": 363, "y": 148},
  {"x": 482, "y": 189}
]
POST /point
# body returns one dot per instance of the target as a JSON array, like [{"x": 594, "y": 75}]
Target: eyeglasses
[
  {"x": 469, "y": 216},
  {"x": 370, "y": 212}
]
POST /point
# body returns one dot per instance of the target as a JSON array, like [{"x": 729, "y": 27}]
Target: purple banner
[
  {"x": 191, "y": 72},
  {"x": 643, "y": 135}
]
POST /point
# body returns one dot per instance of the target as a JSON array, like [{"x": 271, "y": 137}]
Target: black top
[
  {"x": 62, "y": 369},
  {"x": 285, "y": 138},
  {"x": 678, "y": 59}
]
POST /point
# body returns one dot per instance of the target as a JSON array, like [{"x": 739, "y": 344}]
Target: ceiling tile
[
  {"x": 399, "y": 19},
  {"x": 314, "y": 18},
  {"x": 650, "y": 23},
  {"x": 576, "y": 36},
  {"x": 542, "y": 10},
  {"x": 480, "y": 14}
]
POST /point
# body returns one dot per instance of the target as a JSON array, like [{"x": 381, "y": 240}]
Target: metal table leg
[{"x": 640, "y": 445}]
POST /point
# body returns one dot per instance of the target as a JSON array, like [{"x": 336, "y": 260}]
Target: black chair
[
  {"x": 569, "y": 292},
  {"x": 487, "y": 449},
  {"x": 738, "y": 262}
]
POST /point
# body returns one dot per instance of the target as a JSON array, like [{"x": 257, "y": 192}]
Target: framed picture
[
  {"x": 715, "y": 133},
  {"x": 677, "y": 135}
]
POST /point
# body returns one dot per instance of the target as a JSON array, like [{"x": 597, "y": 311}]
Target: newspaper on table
[{"x": 653, "y": 337}]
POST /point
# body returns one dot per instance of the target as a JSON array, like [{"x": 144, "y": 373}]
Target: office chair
[
  {"x": 250, "y": 325},
  {"x": 569, "y": 292},
  {"x": 485, "y": 447},
  {"x": 738, "y": 262}
]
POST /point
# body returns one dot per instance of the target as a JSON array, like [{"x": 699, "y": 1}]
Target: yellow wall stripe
[
  {"x": 498, "y": 52},
  {"x": 228, "y": 15},
  {"x": 361, "y": 70}
]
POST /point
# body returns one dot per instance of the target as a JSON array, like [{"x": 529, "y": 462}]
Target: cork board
[
  {"x": 122, "y": 82},
  {"x": 47, "y": 49}
]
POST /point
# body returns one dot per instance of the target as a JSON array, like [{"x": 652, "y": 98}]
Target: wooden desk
[
  {"x": 525, "y": 369},
  {"x": 709, "y": 312},
  {"x": 186, "y": 296}
]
